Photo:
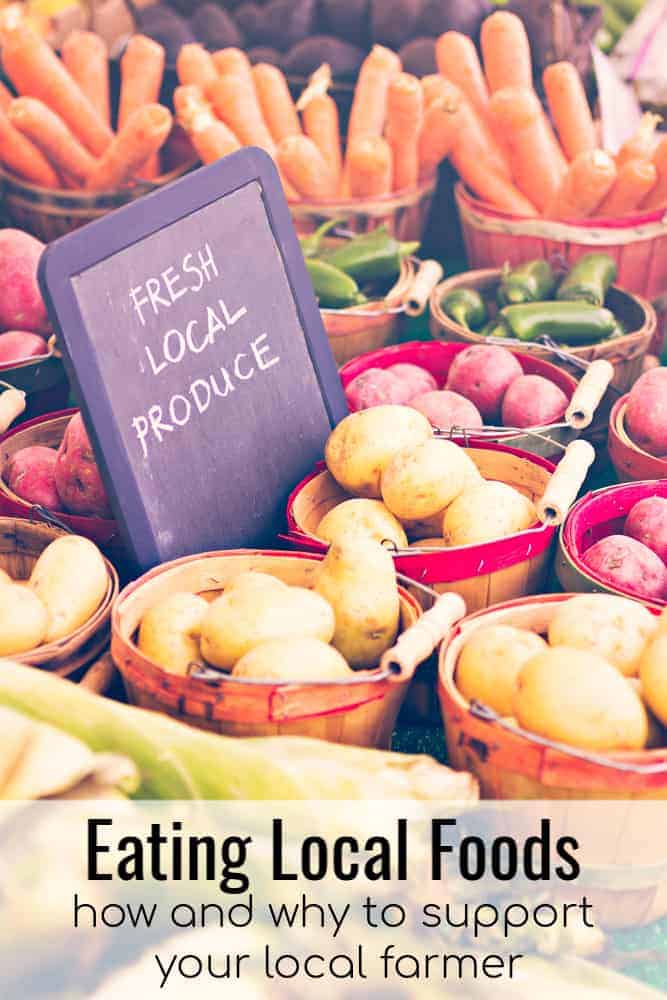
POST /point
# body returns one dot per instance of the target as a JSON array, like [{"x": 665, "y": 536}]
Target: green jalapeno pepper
[
  {"x": 466, "y": 307},
  {"x": 533, "y": 281},
  {"x": 373, "y": 256},
  {"x": 565, "y": 322},
  {"x": 333, "y": 288},
  {"x": 589, "y": 279},
  {"x": 310, "y": 245}
]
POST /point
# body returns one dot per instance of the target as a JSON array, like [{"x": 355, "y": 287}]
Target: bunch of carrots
[
  {"x": 58, "y": 134},
  {"x": 224, "y": 103},
  {"x": 490, "y": 123}
]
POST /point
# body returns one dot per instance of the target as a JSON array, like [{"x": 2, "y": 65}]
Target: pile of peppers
[
  {"x": 347, "y": 273},
  {"x": 533, "y": 303}
]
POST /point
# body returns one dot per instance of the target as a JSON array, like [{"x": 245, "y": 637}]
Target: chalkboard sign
[{"x": 190, "y": 328}]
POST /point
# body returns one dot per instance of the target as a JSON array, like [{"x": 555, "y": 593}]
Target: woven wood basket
[
  {"x": 626, "y": 353},
  {"x": 405, "y": 213},
  {"x": 21, "y": 544},
  {"x": 481, "y": 574},
  {"x": 513, "y": 765},
  {"x": 48, "y": 214},
  {"x": 48, "y": 431},
  {"x": 629, "y": 461},
  {"x": 361, "y": 712},
  {"x": 598, "y": 515}
]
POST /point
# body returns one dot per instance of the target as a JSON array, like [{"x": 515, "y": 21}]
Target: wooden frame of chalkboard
[{"x": 80, "y": 276}]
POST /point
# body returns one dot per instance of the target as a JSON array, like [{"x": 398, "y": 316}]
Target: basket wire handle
[
  {"x": 45, "y": 515},
  {"x": 588, "y": 394},
  {"x": 486, "y": 714},
  {"x": 429, "y": 275},
  {"x": 12, "y": 405},
  {"x": 565, "y": 483},
  {"x": 418, "y": 642}
]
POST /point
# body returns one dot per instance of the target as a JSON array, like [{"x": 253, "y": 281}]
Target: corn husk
[
  {"x": 39, "y": 761},
  {"x": 176, "y": 761}
]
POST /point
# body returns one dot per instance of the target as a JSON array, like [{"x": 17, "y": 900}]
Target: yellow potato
[
  {"x": 367, "y": 517},
  {"x": 657, "y": 737},
  {"x": 428, "y": 543},
  {"x": 296, "y": 659},
  {"x": 5, "y": 577},
  {"x": 24, "y": 621},
  {"x": 70, "y": 578},
  {"x": 239, "y": 620},
  {"x": 491, "y": 661},
  {"x": 615, "y": 628},
  {"x": 169, "y": 632},
  {"x": 358, "y": 579},
  {"x": 653, "y": 676},
  {"x": 420, "y": 481},
  {"x": 485, "y": 512},
  {"x": 575, "y": 697},
  {"x": 430, "y": 527},
  {"x": 662, "y": 624},
  {"x": 254, "y": 580},
  {"x": 363, "y": 443}
]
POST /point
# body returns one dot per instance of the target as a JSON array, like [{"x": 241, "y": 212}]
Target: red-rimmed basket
[
  {"x": 482, "y": 574},
  {"x": 511, "y": 764},
  {"x": 598, "y": 515},
  {"x": 48, "y": 431},
  {"x": 631, "y": 463},
  {"x": 437, "y": 357},
  {"x": 638, "y": 244},
  {"x": 361, "y": 712}
]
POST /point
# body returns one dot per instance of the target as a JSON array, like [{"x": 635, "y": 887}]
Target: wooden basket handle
[
  {"x": 12, "y": 405},
  {"x": 565, "y": 483},
  {"x": 429, "y": 275},
  {"x": 418, "y": 642},
  {"x": 588, "y": 394}
]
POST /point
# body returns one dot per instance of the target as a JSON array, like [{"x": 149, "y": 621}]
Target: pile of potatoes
[
  {"x": 598, "y": 681},
  {"x": 406, "y": 484},
  {"x": 262, "y": 629},
  {"x": 66, "y": 587}
]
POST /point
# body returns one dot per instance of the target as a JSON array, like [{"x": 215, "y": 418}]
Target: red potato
[
  {"x": 626, "y": 564},
  {"x": 647, "y": 523},
  {"x": 78, "y": 479},
  {"x": 483, "y": 374},
  {"x": 533, "y": 401},
  {"x": 16, "y": 345},
  {"x": 646, "y": 412},
  {"x": 21, "y": 303},
  {"x": 376, "y": 387},
  {"x": 30, "y": 473},
  {"x": 415, "y": 377},
  {"x": 445, "y": 409}
]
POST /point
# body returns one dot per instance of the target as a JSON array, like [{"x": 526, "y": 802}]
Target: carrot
[
  {"x": 537, "y": 164},
  {"x": 635, "y": 180},
  {"x": 405, "y": 112},
  {"x": 140, "y": 138},
  {"x": 433, "y": 86},
  {"x": 319, "y": 113},
  {"x": 569, "y": 108},
  {"x": 233, "y": 61},
  {"x": 50, "y": 133},
  {"x": 235, "y": 102},
  {"x": 141, "y": 73},
  {"x": 658, "y": 196},
  {"x": 19, "y": 155},
  {"x": 210, "y": 137},
  {"x": 439, "y": 132},
  {"x": 478, "y": 174},
  {"x": 458, "y": 61},
  {"x": 86, "y": 57},
  {"x": 588, "y": 181},
  {"x": 35, "y": 71},
  {"x": 506, "y": 52},
  {"x": 369, "y": 106},
  {"x": 642, "y": 144},
  {"x": 275, "y": 101},
  {"x": 194, "y": 65},
  {"x": 370, "y": 167},
  {"x": 6, "y": 97},
  {"x": 305, "y": 168}
]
